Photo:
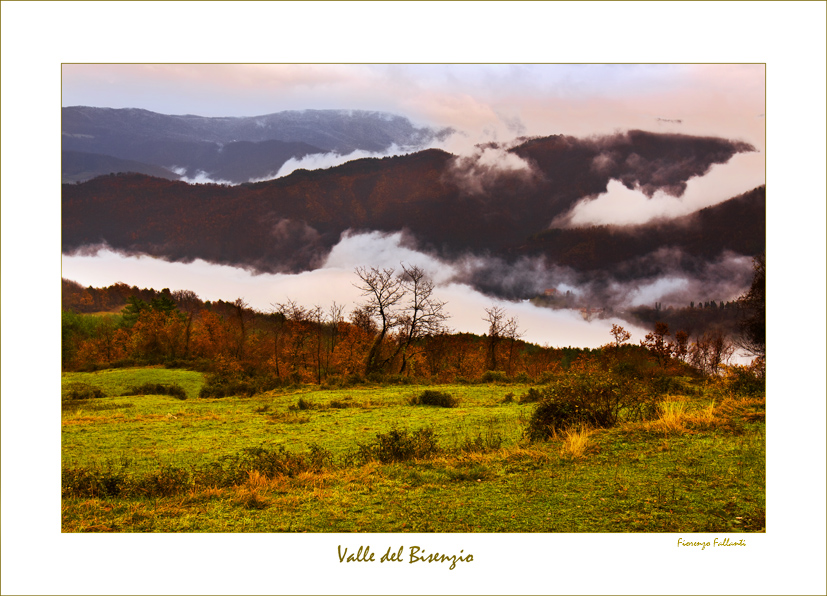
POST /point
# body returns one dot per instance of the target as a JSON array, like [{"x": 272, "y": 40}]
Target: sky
[
  {"x": 789, "y": 37},
  {"x": 493, "y": 102}
]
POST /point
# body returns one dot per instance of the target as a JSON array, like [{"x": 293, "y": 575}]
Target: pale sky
[{"x": 488, "y": 102}]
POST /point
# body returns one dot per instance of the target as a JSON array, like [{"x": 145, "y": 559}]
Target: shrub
[
  {"x": 508, "y": 398},
  {"x": 82, "y": 391},
  {"x": 303, "y": 404},
  {"x": 589, "y": 396},
  {"x": 546, "y": 378},
  {"x": 168, "y": 480},
  {"x": 531, "y": 396},
  {"x": 494, "y": 376},
  {"x": 173, "y": 389},
  {"x": 347, "y": 402},
  {"x": 430, "y": 397},
  {"x": 743, "y": 381},
  {"x": 482, "y": 443},
  {"x": 94, "y": 481},
  {"x": 400, "y": 445}
]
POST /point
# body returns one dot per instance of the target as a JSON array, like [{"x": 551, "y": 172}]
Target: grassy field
[{"x": 294, "y": 461}]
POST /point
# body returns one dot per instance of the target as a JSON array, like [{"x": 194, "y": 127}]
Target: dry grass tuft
[
  {"x": 256, "y": 480},
  {"x": 576, "y": 442},
  {"x": 673, "y": 415}
]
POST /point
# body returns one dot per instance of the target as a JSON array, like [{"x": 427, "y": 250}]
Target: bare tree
[
  {"x": 496, "y": 328},
  {"x": 512, "y": 333},
  {"x": 317, "y": 317},
  {"x": 277, "y": 319},
  {"x": 335, "y": 317},
  {"x": 710, "y": 351},
  {"x": 423, "y": 315},
  {"x": 384, "y": 291}
]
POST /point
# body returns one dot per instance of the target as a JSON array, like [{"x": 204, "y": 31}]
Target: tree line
[{"x": 399, "y": 329}]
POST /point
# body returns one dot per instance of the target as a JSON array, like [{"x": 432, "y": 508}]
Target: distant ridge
[{"x": 234, "y": 149}]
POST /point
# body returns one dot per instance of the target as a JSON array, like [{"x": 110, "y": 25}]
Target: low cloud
[
  {"x": 201, "y": 177},
  {"x": 321, "y": 161},
  {"x": 487, "y": 165},
  {"x": 621, "y": 205}
]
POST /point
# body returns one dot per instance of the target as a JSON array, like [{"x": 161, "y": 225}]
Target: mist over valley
[{"x": 495, "y": 221}]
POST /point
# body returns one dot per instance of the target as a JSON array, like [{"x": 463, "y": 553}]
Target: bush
[
  {"x": 589, "y": 396},
  {"x": 173, "y": 389},
  {"x": 303, "y": 404},
  {"x": 92, "y": 481},
  {"x": 482, "y": 443},
  {"x": 494, "y": 376},
  {"x": 75, "y": 391},
  {"x": 743, "y": 381},
  {"x": 400, "y": 445},
  {"x": 430, "y": 397},
  {"x": 533, "y": 395}
]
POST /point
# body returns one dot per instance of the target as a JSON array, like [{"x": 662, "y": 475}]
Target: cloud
[
  {"x": 201, "y": 177},
  {"x": 620, "y": 205},
  {"x": 486, "y": 165},
  {"x": 320, "y": 161},
  {"x": 334, "y": 282}
]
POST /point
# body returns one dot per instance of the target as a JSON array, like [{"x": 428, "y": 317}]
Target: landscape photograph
[
  {"x": 413, "y": 298},
  {"x": 321, "y": 298}
]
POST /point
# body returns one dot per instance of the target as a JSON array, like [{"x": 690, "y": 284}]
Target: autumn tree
[
  {"x": 621, "y": 336},
  {"x": 240, "y": 306},
  {"x": 188, "y": 303},
  {"x": 656, "y": 343}
]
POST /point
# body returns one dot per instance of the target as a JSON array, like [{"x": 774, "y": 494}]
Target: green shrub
[
  {"x": 589, "y": 396},
  {"x": 166, "y": 481},
  {"x": 431, "y": 397},
  {"x": 494, "y": 376},
  {"x": 400, "y": 445},
  {"x": 508, "y": 398},
  {"x": 94, "y": 481},
  {"x": 74, "y": 391},
  {"x": 303, "y": 404},
  {"x": 173, "y": 389},
  {"x": 482, "y": 443},
  {"x": 533, "y": 395},
  {"x": 743, "y": 381},
  {"x": 546, "y": 378},
  {"x": 347, "y": 402}
]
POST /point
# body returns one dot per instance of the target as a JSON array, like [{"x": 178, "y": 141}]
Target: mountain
[
  {"x": 77, "y": 166},
  {"x": 737, "y": 225},
  {"x": 233, "y": 149},
  {"x": 451, "y": 206}
]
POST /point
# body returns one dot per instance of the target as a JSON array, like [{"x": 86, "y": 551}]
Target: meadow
[{"x": 369, "y": 458}]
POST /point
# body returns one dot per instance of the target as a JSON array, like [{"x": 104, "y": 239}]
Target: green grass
[{"x": 634, "y": 478}]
